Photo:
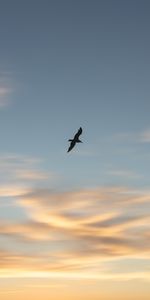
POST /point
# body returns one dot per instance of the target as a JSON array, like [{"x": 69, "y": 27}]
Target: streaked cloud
[
  {"x": 145, "y": 136},
  {"x": 32, "y": 175},
  {"x": 81, "y": 231},
  {"x": 26, "y": 231},
  {"x": 123, "y": 173},
  {"x": 5, "y": 89},
  {"x": 4, "y": 93},
  {"x": 22, "y": 169},
  {"x": 13, "y": 190},
  {"x": 142, "y": 136}
]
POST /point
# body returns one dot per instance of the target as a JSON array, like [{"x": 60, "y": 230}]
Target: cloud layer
[{"x": 78, "y": 232}]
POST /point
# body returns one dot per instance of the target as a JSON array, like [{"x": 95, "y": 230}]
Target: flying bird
[{"x": 75, "y": 140}]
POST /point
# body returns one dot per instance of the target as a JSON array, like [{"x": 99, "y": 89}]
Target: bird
[{"x": 75, "y": 139}]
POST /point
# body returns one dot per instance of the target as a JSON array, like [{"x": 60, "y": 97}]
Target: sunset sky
[{"x": 75, "y": 225}]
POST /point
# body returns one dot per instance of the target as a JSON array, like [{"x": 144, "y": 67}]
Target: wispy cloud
[
  {"x": 22, "y": 169},
  {"x": 26, "y": 231},
  {"x": 82, "y": 229},
  {"x": 13, "y": 190},
  {"x": 6, "y": 89},
  {"x": 4, "y": 96},
  {"x": 142, "y": 136},
  {"x": 145, "y": 136},
  {"x": 123, "y": 173}
]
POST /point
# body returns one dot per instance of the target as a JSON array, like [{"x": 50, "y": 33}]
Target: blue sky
[
  {"x": 72, "y": 64},
  {"x": 66, "y": 64}
]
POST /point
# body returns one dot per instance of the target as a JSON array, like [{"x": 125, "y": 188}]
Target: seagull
[{"x": 75, "y": 140}]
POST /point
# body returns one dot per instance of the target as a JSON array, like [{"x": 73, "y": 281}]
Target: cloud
[
  {"x": 4, "y": 96},
  {"x": 142, "y": 136},
  {"x": 123, "y": 173},
  {"x": 31, "y": 175},
  {"x": 6, "y": 89},
  {"x": 93, "y": 221},
  {"x": 13, "y": 190},
  {"x": 22, "y": 169},
  {"x": 145, "y": 136},
  {"x": 78, "y": 232},
  {"x": 30, "y": 231}
]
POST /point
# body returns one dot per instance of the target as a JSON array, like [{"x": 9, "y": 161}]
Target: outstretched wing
[
  {"x": 78, "y": 133},
  {"x": 72, "y": 144}
]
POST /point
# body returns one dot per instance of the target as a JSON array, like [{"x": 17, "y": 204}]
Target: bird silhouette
[{"x": 75, "y": 140}]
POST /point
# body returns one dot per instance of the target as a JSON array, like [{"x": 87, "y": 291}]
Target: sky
[{"x": 75, "y": 225}]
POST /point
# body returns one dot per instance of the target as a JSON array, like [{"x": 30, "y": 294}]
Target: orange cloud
[{"x": 80, "y": 231}]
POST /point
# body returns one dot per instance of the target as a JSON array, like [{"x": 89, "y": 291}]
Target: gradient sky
[{"x": 75, "y": 225}]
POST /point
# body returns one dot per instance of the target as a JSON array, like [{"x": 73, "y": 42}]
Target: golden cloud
[{"x": 79, "y": 230}]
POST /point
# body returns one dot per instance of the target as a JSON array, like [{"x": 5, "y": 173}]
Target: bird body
[{"x": 75, "y": 140}]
